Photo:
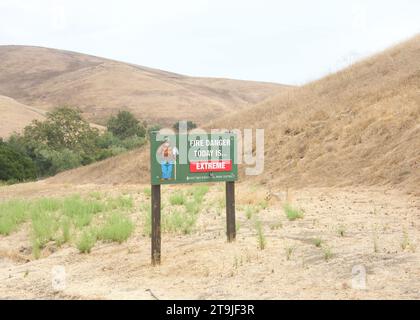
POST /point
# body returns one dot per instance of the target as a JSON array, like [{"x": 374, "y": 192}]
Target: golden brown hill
[
  {"x": 360, "y": 126},
  {"x": 15, "y": 116},
  {"x": 131, "y": 168},
  {"x": 47, "y": 78}
]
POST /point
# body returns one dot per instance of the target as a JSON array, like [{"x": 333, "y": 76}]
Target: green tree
[
  {"x": 107, "y": 139},
  {"x": 125, "y": 125},
  {"x": 62, "y": 141},
  {"x": 15, "y": 165},
  {"x": 64, "y": 159},
  {"x": 64, "y": 128}
]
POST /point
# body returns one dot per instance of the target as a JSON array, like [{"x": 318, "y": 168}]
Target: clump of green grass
[
  {"x": 121, "y": 202},
  {"x": 177, "y": 198},
  {"x": 199, "y": 192},
  {"x": 221, "y": 202},
  {"x": 341, "y": 230},
  {"x": 375, "y": 243},
  {"x": 86, "y": 241},
  {"x": 293, "y": 213},
  {"x": 250, "y": 211},
  {"x": 44, "y": 226},
  {"x": 147, "y": 219},
  {"x": 52, "y": 219},
  {"x": 44, "y": 229},
  {"x": 65, "y": 229},
  {"x": 263, "y": 204},
  {"x": 289, "y": 252},
  {"x": 81, "y": 211},
  {"x": 405, "y": 243},
  {"x": 261, "y": 240},
  {"x": 192, "y": 207},
  {"x": 147, "y": 191},
  {"x": 36, "y": 249},
  {"x": 238, "y": 262},
  {"x": 276, "y": 225},
  {"x": 47, "y": 204},
  {"x": 175, "y": 221},
  {"x": 117, "y": 228},
  {"x": 327, "y": 253},
  {"x": 317, "y": 242},
  {"x": 95, "y": 195},
  {"x": 12, "y": 214},
  {"x": 179, "y": 221}
]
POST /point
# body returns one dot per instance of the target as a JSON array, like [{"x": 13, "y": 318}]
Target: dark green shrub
[
  {"x": 107, "y": 139},
  {"x": 64, "y": 141},
  {"x": 125, "y": 125},
  {"x": 133, "y": 142},
  {"x": 15, "y": 165}
]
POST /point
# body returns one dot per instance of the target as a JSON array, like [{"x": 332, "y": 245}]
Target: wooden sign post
[
  {"x": 199, "y": 158},
  {"x": 230, "y": 211},
  {"x": 156, "y": 217}
]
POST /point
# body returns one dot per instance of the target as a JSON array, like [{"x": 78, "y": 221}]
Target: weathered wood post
[
  {"x": 156, "y": 224},
  {"x": 230, "y": 211}
]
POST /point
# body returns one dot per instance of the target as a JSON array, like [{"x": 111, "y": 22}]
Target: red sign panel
[{"x": 211, "y": 166}]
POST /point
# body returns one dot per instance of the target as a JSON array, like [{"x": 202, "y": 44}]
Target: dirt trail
[{"x": 375, "y": 223}]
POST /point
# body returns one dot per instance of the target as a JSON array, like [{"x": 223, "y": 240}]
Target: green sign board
[{"x": 191, "y": 158}]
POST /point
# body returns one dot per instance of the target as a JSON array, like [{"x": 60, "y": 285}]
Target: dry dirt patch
[{"x": 374, "y": 228}]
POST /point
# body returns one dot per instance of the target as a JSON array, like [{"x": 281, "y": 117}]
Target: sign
[{"x": 191, "y": 158}]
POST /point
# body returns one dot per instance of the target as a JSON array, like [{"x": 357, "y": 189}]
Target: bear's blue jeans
[{"x": 167, "y": 169}]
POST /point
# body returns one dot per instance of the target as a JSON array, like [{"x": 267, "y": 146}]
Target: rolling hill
[
  {"x": 360, "y": 126},
  {"x": 47, "y": 78},
  {"x": 15, "y": 116}
]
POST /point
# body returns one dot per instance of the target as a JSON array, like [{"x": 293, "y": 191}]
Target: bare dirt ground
[{"x": 377, "y": 229}]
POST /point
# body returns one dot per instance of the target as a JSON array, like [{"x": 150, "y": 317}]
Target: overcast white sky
[{"x": 279, "y": 41}]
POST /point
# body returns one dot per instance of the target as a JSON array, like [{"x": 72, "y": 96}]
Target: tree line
[{"x": 64, "y": 140}]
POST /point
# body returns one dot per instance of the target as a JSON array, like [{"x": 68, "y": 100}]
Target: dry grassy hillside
[
  {"x": 15, "y": 116},
  {"x": 358, "y": 126},
  {"x": 131, "y": 167},
  {"x": 47, "y": 77}
]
